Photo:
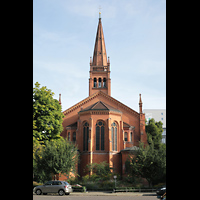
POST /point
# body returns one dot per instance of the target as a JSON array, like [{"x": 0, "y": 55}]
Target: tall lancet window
[
  {"x": 131, "y": 136},
  {"x": 95, "y": 82},
  {"x": 104, "y": 82},
  {"x": 99, "y": 82},
  {"x": 114, "y": 136},
  {"x": 100, "y": 131},
  {"x": 85, "y": 136}
]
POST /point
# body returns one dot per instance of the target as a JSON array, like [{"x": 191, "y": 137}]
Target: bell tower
[{"x": 99, "y": 66}]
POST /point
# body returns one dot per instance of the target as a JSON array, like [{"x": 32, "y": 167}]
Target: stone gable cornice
[{"x": 100, "y": 93}]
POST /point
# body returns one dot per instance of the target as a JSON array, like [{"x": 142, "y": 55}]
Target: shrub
[
  {"x": 85, "y": 178},
  {"x": 106, "y": 185},
  {"x": 73, "y": 180},
  {"x": 36, "y": 184},
  {"x": 91, "y": 186}
]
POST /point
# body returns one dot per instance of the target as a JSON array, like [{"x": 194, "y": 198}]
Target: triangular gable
[
  {"x": 96, "y": 106},
  {"x": 99, "y": 105},
  {"x": 113, "y": 100}
]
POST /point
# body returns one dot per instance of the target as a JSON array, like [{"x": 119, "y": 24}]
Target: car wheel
[
  {"x": 38, "y": 192},
  {"x": 61, "y": 192}
]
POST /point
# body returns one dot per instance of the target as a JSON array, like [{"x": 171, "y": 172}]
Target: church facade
[{"x": 103, "y": 128}]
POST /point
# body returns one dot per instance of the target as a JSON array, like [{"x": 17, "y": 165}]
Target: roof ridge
[
  {"x": 106, "y": 105},
  {"x": 94, "y": 104},
  {"x": 80, "y": 103},
  {"x": 123, "y": 105}
]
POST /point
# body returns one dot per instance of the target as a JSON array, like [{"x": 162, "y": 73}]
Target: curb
[{"x": 111, "y": 194}]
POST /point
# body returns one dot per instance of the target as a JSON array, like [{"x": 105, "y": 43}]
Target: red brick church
[{"x": 103, "y": 128}]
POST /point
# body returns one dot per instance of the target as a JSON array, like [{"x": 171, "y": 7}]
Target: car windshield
[{"x": 66, "y": 183}]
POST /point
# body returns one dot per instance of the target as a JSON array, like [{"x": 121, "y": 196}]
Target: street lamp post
[{"x": 115, "y": 177}]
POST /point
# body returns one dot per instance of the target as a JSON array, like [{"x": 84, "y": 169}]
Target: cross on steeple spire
[{"x": 99, "y": 12}]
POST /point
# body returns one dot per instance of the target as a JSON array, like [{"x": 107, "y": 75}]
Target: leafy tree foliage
[
  {"x": 37, "y": 149},
  {"x": 47, "y": 115},
  {"x": 149, "y": 161},
  {"x": 58, "y": 156},
  {"x": 154, "y": 132},
  {"x": 51, "y": 153}
]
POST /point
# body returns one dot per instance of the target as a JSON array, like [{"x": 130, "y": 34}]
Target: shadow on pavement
[{"x": 149, "y": 194}]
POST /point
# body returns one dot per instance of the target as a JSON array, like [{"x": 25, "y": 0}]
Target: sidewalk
[{"x": 104, "y": 193}]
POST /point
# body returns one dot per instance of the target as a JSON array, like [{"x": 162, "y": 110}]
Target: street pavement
[{"x": 99, "y": 196}]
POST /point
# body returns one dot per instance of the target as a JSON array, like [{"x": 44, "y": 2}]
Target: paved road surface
[{"x": 90, "y": 197}]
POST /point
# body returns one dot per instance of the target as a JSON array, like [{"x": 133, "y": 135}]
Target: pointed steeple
[
  {"x": 99, "y": 55},
  {"x": 99, "y": 65}
]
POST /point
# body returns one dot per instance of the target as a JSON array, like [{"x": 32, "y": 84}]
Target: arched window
[
  {"x": 125, "y": 136},
  {"x": 100, "y": 130},
  {"x": 99, "y": 82},
  {"x": 104, "y": 82},
  {"x": 95, "y": 82},
  {"x": 114, "y": 136},
  {"x": 85, "y": 136}
]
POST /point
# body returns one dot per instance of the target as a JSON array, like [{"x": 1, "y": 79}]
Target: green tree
[
  {"x": 47, "y": 115},
  {"x": 58, "y": 156},
  {"x": 149, "y": 163},
  {"x": 37, "y": 149},
  {"x": 154, "y": 132}
]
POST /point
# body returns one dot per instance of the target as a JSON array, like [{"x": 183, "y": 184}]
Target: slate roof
[{"x": 100, "y": 106}]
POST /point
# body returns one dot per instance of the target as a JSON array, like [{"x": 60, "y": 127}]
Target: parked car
[
  {"x": 161, "y": 191},
  {"x": 60, "y": 187}
]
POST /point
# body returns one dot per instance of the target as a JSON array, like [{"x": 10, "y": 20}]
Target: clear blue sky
[{"x": 64, "y": 34}]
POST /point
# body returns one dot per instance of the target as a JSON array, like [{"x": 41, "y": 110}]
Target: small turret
[
  {"x": 140, "y": 104},
  {"x": 60, "y": 99}
]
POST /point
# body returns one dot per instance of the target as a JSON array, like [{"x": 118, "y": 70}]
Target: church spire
[
  {"x": 99, "y": 55},
  {"x": 99, "y": 65}
]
